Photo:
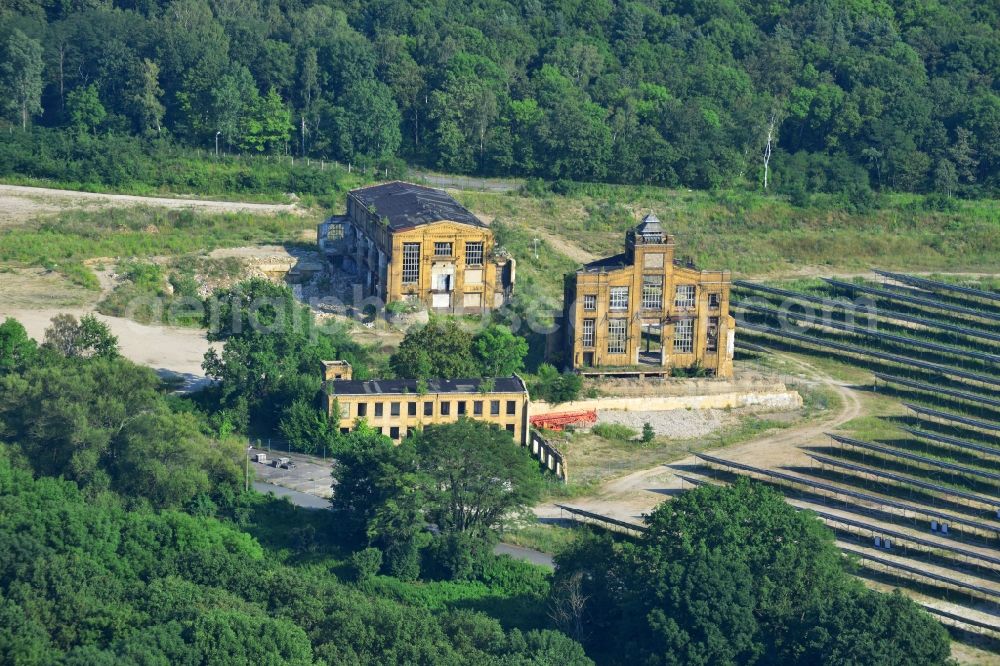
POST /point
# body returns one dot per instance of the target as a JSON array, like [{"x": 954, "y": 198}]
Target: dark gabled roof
[
  {"x": 405, "y": 205},
  {"x": 409, "y": 386},
  {"x": 606, "y": 264}
]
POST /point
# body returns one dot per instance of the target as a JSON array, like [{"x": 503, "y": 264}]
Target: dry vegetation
[{"x": 748, "y": 233}]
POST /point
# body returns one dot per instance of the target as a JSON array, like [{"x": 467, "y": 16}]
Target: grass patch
[
  {"x": 754, "y": 234},
  {"x": 150, "y": 293},
  {"x": 66, "y": 160},
  {"x": 614, "y": 431},
  {"x": 550, "y": 539},
  {"x": 69, "y": 238},
  {"x": 592, "y": 459}
]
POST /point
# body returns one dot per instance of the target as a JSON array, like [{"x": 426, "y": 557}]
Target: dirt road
[
  {"x": 171, "y": 351},
  {"x": 19, "y": 203},
  {"x": 629, "y": 497}
]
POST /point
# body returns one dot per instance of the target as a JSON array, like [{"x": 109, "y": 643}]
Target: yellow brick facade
[
  {"x": 396, "y": 408},
  {"x": 645, "y": 312},
  {"x": 421, "y": 247}
]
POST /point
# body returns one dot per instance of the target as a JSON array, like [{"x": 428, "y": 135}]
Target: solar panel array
[
  {"x": 872, "y": 353},
  {"x": 916, "y": 300},
  {"x": 871, "y": 311},
  {"x": 955, "y": 418},
  {"x": 874, "y": 334},
  {"x": 931, "y": 340},
  {"x": 953, "y": 441},
  {"x": 931, "y": 388},
  {"x": 933, "y": 285},
  {"x": 913, "y": 457}
]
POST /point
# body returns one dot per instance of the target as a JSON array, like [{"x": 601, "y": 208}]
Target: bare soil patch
[
  {"x": 19, "y": 203},
  {"x": 30, "y": 288},
  {"x": 171, "y": 351}
]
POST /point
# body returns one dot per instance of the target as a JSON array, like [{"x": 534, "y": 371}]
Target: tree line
[{"x": 803, "y": 95}]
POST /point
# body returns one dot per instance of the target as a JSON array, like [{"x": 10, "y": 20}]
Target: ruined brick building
[
  {"x": 416, "y": 244},
  {"x": 643, "y": 311}
]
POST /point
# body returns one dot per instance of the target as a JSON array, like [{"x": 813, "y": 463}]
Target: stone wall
[{"x": 776, "y": 398}]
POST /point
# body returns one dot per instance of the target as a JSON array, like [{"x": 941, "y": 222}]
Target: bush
[
  {"x": 614, "y": 431},
  {"x": 554, "y": 387},
  {"x": 647, "y": 433},
  {"x": 939, "y": 202},
  {"x": 365, "y": 564}
]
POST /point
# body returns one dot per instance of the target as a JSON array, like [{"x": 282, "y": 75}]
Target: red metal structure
[{"x": 563, "y": 419}]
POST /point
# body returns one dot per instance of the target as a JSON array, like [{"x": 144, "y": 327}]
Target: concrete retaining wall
[{"x": 774, "y": 400}]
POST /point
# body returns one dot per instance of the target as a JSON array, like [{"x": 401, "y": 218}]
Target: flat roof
[
  {"x": 409, "y": 386},
  {"x": 405, "y": 205}
]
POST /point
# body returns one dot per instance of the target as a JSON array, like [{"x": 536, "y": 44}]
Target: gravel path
[{"x": 675, "y": 424}]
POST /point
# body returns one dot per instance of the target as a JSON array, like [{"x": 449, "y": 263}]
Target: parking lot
[{"x": 311, "y": 474}]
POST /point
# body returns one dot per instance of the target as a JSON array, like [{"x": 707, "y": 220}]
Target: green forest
[
  {"x": 795, "y": 96},
  {"x": 130, "y": 533}
]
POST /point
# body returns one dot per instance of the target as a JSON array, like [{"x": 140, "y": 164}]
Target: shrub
[
  {"x": 614, "y": 431},
  {"x": 647, "y": 432},
  {"x": 365, "y": 563},
  {"x": 554, "y": 387}
]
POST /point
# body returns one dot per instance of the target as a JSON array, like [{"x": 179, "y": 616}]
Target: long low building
[{"x": 397, "y": 406}]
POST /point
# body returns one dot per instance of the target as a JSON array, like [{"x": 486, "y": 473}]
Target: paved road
[
  {"x": 520, "y": 553},
  {"x": 294, "y": 496},
  {"x": 312, "y": 502}
]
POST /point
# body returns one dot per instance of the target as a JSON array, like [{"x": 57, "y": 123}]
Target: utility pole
[
  {"x": 303, "y": 133},
  {"x": 217, "y": 142}
]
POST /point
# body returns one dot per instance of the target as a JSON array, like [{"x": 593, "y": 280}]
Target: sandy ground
[
  {"x": 171, "y": 351},
  {"x": 19, "y": 203},
  {"x": 674, "y": 424}
]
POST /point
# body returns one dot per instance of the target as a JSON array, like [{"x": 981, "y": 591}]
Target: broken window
[
  {"x": 411, "y": 263},
  {"x": 616, "y": 335},
  {"x": 684, "y": 336},
  {"x": 442, "y": 249},
  {"x": 494, "y": 408},
  {"x": 588, "y": 332},
  {"x": 590, "y": 302},
  {"x": 619, "y": 298},
  {"x": 474, "y": 254},
  {"x": 652, "y": 292},
  {"x": 714, "y": 301},
  {"x": 712, "y": 335},
  {"x": 684, "y": 297}
]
